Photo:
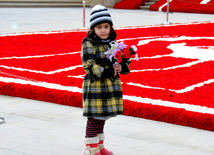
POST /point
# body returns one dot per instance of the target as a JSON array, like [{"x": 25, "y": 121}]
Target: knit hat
[{"x": 99, "y": 14}]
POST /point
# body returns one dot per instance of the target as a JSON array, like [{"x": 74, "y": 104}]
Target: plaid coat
[{"x": 101, "y": 91}]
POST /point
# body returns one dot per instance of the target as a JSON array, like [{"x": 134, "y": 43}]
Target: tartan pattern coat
[{"x": 101, "y": 91}]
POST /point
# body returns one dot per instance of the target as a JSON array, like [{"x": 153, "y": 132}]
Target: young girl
[{"x": 101, "y": 89}]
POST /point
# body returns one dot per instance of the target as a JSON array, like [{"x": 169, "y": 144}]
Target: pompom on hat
[{"x": 99, "y": 14}]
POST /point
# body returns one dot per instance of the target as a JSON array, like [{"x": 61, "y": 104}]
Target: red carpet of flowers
[
  {"x": 130, "y": 4},
  {"x": 173, "y": 81},
  {"x": 189, "y": 6}
]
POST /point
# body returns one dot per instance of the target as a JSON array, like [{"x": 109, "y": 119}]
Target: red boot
[
  {"x": 92, "y": 146},
  {"x": 103, "y": 150}
]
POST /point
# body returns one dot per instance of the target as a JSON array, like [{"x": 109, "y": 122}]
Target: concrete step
[
  {"x": 147, "y": 5},
  {"x": 41, "y": 3},
  {"x": 153, "y": 0}
]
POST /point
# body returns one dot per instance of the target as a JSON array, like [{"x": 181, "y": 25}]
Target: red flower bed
[
  {"x": 173, "y": 81},
  {"x": 189, "y": 6},
  {"x": 130, "y": 4}
]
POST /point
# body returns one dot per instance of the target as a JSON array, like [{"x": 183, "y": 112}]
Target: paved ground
[
  {"x": 40, "y": 128},
  {"x": 41, "y": 19}
]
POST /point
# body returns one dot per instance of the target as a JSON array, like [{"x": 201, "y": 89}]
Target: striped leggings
[{"x": 94, "y": 127}]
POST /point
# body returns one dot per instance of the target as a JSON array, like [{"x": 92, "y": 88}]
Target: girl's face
[{"x": 102, "y": 30}]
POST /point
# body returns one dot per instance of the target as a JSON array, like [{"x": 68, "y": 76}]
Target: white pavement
[
  {"x": 39, "y": 128},
  {"x": 46, "y": 19}
]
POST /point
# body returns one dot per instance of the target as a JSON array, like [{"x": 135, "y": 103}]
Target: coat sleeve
[
  {"x": 89, "y": 62},
  {"x": 125, "y": 66}
]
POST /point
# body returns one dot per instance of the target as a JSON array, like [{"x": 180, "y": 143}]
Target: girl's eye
[{"x": 106, "y": 27}]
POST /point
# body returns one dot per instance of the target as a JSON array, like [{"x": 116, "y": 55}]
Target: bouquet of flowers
[{"x": 119, "y": 51}]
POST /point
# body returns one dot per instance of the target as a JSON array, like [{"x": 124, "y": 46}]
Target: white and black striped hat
[{"x": 99, "y": 14}]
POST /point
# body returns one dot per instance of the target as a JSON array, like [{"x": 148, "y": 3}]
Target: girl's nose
[{"x": 103, "y": 29}]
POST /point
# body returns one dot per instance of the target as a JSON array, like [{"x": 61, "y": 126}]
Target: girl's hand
[{"x": 117, "y": 69}]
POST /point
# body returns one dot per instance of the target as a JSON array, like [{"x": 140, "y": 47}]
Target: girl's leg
[
  {"x": 91, "y": 128},
  {"x": 91, "y": 138},
  {"x": 100, "y": 126},
  {"x": 100, "y": 133}
]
